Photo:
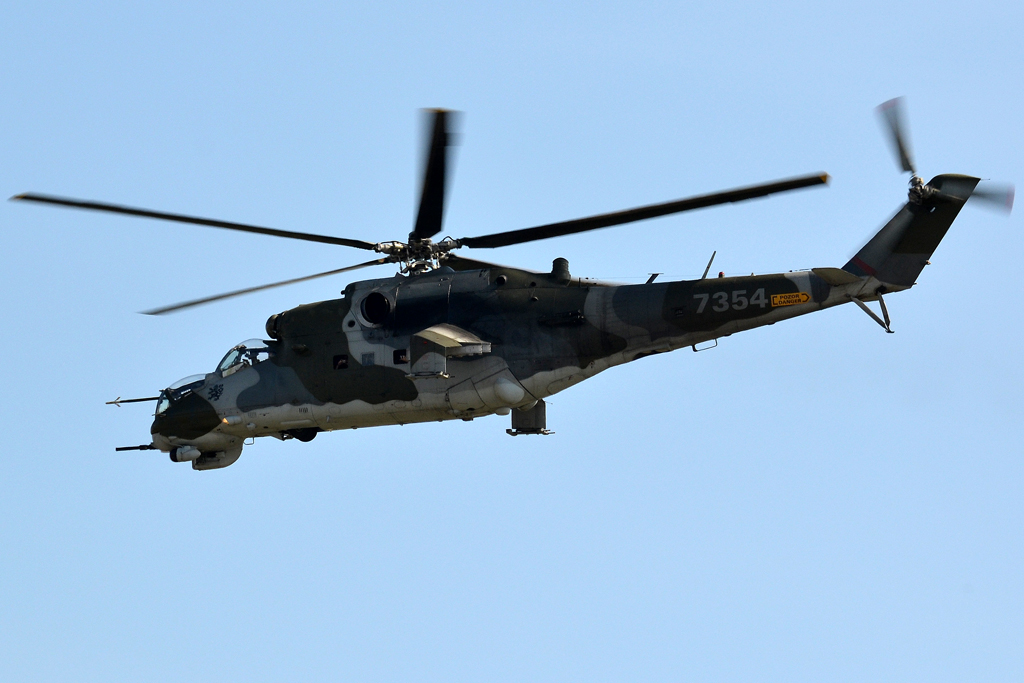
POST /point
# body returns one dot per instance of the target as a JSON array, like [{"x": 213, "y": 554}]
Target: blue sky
[{"x": 811, "y": 501}]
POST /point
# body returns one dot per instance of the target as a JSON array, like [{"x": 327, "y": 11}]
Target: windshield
[
  {"x": 178, "y": 390},
  {"x": 246, "y": 354}
]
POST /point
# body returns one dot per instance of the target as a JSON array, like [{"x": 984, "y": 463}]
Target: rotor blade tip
[
  {"x": 18, "y": 196},
  {"x": 825, "y": 178}
]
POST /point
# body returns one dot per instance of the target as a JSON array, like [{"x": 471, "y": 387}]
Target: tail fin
[{"x": 898, "y": 253}]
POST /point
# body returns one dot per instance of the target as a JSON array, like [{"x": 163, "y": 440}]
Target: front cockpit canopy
[
  {"x": 248, "y": 353},
  {"x": 178, "y": 390}
]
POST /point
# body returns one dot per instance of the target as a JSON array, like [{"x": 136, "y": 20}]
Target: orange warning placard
[{"x": 790, "y": 299}]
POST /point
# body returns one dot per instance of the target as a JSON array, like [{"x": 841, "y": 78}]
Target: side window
[
  {"x": 341, "y": 362},
  {"x": 401, "y": 356}
]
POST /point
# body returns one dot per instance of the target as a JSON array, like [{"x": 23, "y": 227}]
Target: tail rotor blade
[
  {"x": 994, "y": 195},
  {"x": 893, "y": 116}
]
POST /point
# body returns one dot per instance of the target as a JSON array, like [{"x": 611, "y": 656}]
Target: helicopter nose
[{"x": 188, "y": 418}]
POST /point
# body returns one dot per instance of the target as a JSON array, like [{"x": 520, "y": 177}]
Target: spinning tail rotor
[{"x": 893, "y": 113}]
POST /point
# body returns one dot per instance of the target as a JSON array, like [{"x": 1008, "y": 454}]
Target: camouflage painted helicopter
[{"x": 453, "y": 338}]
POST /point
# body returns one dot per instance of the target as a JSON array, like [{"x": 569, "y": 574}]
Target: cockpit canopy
[
  {"x": 178, "y": 390},
  {"x": 248, "y": 353}
]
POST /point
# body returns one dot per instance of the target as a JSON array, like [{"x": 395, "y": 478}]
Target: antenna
[{"x": 705, "y": 275}]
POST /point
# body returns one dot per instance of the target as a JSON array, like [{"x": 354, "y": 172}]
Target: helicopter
[{"x": 449, "y": 337}]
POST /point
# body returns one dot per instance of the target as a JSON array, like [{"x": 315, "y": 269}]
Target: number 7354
[{"x": 736, "y": 300}]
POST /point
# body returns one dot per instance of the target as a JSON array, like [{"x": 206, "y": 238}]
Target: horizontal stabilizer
[{"x": 835, "y": 276}]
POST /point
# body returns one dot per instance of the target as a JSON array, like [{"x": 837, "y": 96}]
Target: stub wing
[{"x": 454, "y": 340}]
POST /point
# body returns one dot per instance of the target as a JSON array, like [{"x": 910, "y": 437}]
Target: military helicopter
[{"x": 449, "y": 337}]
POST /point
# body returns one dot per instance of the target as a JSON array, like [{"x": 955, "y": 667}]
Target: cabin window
[
  {"x": 368, "y": 359},
  {"x": 341, "y": 362},
  {"x": 401, "y": 356}
]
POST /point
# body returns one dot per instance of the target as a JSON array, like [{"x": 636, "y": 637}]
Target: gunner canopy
[
  {"x": 178, "y": 390},
  {"x": 246, "y": 354}
]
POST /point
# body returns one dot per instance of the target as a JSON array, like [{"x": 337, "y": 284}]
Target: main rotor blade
[
  {"x": 502, "y": 239},
  {"x": 160, "y": 215},
  {"x": 249, "y": 290},
  {"x": 431, "y": 212},
  {"x": 892, "y": 114},
  {"x": 995, "y": 195}
]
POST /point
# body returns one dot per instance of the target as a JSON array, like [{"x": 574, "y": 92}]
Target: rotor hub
[
  {"x": 417, "y": 256},
  {"x": 919, "y": 192}
]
